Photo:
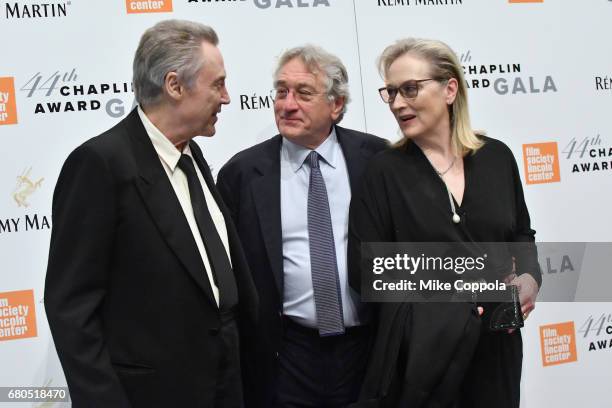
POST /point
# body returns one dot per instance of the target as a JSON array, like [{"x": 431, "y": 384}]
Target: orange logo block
[
  {"x": 8, "y": 106},
  {"x": 148, "y": 6},
  {"x": 558, "y": 343},
  {"x": 17, "y": 315},
  {"x": 541, "y": 163}
]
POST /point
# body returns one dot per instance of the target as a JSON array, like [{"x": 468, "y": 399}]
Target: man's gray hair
[
  {"x": 169, "y": 46},
  {"x": 316, "y": 60}
]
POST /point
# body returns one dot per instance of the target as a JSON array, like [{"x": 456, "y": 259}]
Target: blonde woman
[{"x": 441, "y": 183}]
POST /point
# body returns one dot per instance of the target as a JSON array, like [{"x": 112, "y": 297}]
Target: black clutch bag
[{"x": 507, "y": 314}]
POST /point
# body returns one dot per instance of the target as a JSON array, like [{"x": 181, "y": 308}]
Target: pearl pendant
[{"x": 456, "y": 218}]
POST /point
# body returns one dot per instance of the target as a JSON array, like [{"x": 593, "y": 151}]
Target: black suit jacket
[
  {"x": 250, "y": 186},
  {"x": 128, "y": 301}
]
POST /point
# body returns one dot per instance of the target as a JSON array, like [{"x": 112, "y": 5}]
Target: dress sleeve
[{"x": 525, "y": 250}]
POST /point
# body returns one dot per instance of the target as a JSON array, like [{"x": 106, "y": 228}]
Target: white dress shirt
[
  {"x": 169, "y": 156},
  {"x": 298, "y": 301}
]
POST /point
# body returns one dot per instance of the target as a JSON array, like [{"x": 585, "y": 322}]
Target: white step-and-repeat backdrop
[{"x": 540, "y": 79}]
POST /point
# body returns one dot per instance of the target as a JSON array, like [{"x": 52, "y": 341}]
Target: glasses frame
[
  {"x": 399, "y": 90},
  {"x": 297, "y": 96}
]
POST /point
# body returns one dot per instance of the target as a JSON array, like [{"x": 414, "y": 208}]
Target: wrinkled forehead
[{"x": 297, "y": 72}]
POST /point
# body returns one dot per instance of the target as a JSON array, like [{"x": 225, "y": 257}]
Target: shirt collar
[
  {"x": 167, "y": 152},
  {"x": 297, "y": 154}
]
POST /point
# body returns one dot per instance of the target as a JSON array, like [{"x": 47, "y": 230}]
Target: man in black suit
[
  {"x": 289, "y": 197},
  {"x": 147, "y": 280}
]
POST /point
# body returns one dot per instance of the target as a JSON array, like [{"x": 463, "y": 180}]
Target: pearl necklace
[{"x": 456, "y": 218}]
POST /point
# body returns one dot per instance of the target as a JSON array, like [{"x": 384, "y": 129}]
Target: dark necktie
[
  {"x": 324, "y": 269},
  {"x": 215, "y": 250}
]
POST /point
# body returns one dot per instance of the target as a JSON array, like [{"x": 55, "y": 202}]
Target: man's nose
[
  {"x": 225, "y": 98},
  {"x": 290, "y": 103}
]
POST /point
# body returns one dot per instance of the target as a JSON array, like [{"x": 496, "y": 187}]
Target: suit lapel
[
  {"x": 205, "y": 170},
  {"x": 266, "y": 194},
  {"x": 210, "y": 183},
  {"x": 353, "y": 155},
  {"x": 246, "y": 290},
  {"x": 163, "y": 205}
]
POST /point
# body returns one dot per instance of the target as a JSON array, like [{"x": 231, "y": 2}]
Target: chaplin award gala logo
[
  {"x": 66, "y": 92},
  {"x": 506, "y": 78},
  {"x": 597, "y": 331}
]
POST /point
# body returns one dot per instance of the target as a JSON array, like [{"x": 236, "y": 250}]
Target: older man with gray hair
[
  {"x": 146, "y": 277},
  {"x": 289, "y": 197}
]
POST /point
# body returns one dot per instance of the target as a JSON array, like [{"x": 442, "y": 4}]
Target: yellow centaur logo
[{"x": 25, "y": 188}]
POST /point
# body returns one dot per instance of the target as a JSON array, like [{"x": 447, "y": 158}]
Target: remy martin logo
[{"x": 25, "y": 187}]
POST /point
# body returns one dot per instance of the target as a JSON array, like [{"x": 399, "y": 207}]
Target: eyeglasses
[
  {"x": 409, "y": 90},
  {"x": 300, "y": 94}
]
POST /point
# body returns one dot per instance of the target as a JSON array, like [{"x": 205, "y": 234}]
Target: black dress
[{"x": 437, "y": 354}]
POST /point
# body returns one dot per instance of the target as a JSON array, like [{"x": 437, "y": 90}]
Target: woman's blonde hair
[{"x": 444, "y": 65}]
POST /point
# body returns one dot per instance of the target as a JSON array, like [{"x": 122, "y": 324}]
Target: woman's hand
[{"x": 528, "y": 291}]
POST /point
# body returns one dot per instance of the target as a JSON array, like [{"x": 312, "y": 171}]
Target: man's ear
[
  {"x": 172, "y": 86},
  {"x": 337, "y": 106}
]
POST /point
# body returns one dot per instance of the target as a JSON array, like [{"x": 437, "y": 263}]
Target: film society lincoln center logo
[
  {"x": 558, "y": 343},
  {"x": 148, "y": 6},
  {"x": 17, "y": 315},
  {"x": 541, "y": 162},
  {"x": 8, "y": 106}
]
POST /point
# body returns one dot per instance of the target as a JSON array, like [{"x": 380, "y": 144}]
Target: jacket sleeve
[
  {"x": 369, "y": 221},
  {"x": 225, "y": 180},
  {"x": 525, "y": 250},
  {"x": 84, "y": 219}
]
